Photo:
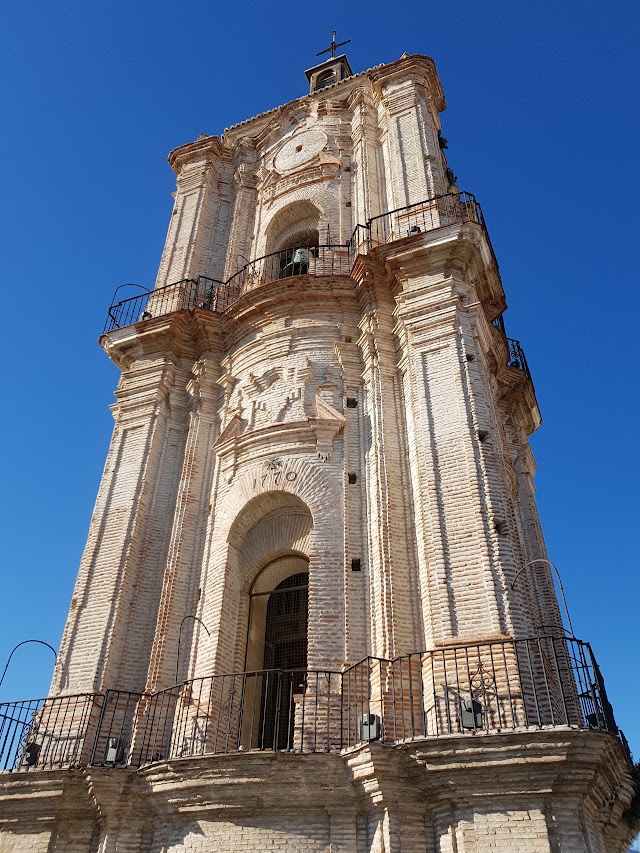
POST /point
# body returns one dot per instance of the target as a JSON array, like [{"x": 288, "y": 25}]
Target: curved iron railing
[
  {"x": 413, "y": 219},
  {"x": 49, "y": 733},
  {"x": 505, "y": 685},
  {"x": 328, "y": 259},
  {"x": 515, "y": 354}
]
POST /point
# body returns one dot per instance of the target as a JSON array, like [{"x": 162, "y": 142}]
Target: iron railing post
[{"x": 103, "y": 707}]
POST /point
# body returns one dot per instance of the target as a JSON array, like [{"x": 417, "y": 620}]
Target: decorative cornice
[{"x": 206, "y": 147}]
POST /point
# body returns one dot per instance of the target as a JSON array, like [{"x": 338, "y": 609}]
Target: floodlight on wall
[
  {"x": 470, "y": 714},
  {"x": 31, "y": 754},
  {"x": 114, "y": 752},
  {"x": 369, "y": 727}
]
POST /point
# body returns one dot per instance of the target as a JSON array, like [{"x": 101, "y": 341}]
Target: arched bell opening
[
  {"x": 294, "y": 236},
  {"x": 277, "y": 649}
]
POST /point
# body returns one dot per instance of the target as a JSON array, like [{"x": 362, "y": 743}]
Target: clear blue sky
[{"x": 542, "y": 126}]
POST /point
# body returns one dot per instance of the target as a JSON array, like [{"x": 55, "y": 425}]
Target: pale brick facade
[{"x": 358, "y": 414}]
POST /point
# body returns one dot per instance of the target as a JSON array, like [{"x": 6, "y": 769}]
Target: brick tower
[{"x": 315, "y": 610}]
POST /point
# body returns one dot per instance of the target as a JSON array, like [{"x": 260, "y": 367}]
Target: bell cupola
[{"x": 330, "y": 71}]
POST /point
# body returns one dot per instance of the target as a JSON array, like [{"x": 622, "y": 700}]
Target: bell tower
[{"x": 315, "y": 610}]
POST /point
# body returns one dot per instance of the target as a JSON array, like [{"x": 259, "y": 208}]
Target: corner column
[
  {"x": 200, "y": 217},
  {"x": 465, "y": 548},
  {"x": 180, "y": 594},
  {"x": 110, "y": 629},
  {"x": 395, "y": 613}
]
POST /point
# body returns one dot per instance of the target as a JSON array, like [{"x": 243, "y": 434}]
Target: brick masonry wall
[{"x": 458, "y": 795}]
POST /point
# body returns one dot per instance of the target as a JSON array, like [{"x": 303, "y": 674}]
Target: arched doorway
[
  {"x": 278, "y": 624},
  {"x": 285, "y": 639}
]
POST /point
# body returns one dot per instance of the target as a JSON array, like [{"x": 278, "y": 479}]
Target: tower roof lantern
[{"x": 330, "y": 71}]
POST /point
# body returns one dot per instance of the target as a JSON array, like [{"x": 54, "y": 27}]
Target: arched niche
[
  {"x": 269, "y": 542},
  {"x": 254, "y": 525},
  {"x": 297, "y": 225}
]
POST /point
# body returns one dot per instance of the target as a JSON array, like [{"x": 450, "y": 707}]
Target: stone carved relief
[
  {"x": 291, "y": 393},
  {"x": 276, "y": 185},
  {"x": 306, "y": 157}
]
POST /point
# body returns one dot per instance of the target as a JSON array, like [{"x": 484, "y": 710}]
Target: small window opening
[
  {"x": 500, "y": 528},
  {"x": 352, "y": 478},
  {"x": 327, "y": 78},
  {"x": 356, "y": 565},
  {"x": 352, "y": 403},
  {"x": 470, "y": 356},
  {"x": 482, "y": 435},
  {"x": 298, "y": 149}
]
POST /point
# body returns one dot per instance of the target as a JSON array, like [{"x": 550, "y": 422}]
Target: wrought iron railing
[
  {"x": 498, "y": 323},
  {"x": 437, "y": 212},
  {"x": 498, "y": 686},
  {"x": 517, "y": 357},
  {"x": 47, "y": 733},
  {"x": 515, "y": 354},
  {"x": 217, "y": 296},
  {"x": 337, "y": 259},
  {"x": 506, "y": 685},
  {"x": 265, "y": 710}
]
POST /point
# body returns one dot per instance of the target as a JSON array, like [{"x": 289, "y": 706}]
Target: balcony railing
[
  {"x": 484, "y": 688},
  {"x": 49, "y": 733},
  {"x": 436, "y": 212},
  {"x": 515, "y": 357},
  {"x": 214, "y": 295}
]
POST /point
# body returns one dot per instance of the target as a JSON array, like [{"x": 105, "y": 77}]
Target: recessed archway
[
  {"x": 277, "y": 648},
  {"x": 293, "y": 227},
  {"x": 278, "y": 616},
  {"x": 249, "y": 532},
  {"x": 269, "y": 542}
]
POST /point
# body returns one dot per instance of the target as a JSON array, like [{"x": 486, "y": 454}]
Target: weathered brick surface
[
  {"x": 528, "y": 792},
  {"x": 235, "y": 440}
]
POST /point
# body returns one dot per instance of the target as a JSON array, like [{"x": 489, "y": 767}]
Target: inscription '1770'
[{"x": 274, "y": 474}]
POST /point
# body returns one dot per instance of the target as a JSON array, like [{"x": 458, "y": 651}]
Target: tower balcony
[
  {"x": 515, "y": 354},
  {"x": 504, "y": 686},
  {"x": 314, "y": 260}
]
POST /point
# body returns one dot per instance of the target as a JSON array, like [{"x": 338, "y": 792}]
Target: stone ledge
[{"x": 499, "y": 776}]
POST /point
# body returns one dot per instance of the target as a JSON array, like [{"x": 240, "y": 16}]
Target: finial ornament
[{"x": 333, "y": 46}]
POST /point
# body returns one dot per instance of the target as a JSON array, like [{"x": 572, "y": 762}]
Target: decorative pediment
[
  {"x": 326, "y": 424},
  {"x": 232, "y": 430}
]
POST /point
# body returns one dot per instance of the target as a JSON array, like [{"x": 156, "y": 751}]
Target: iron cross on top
[{"x": 333, "y": 46}]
